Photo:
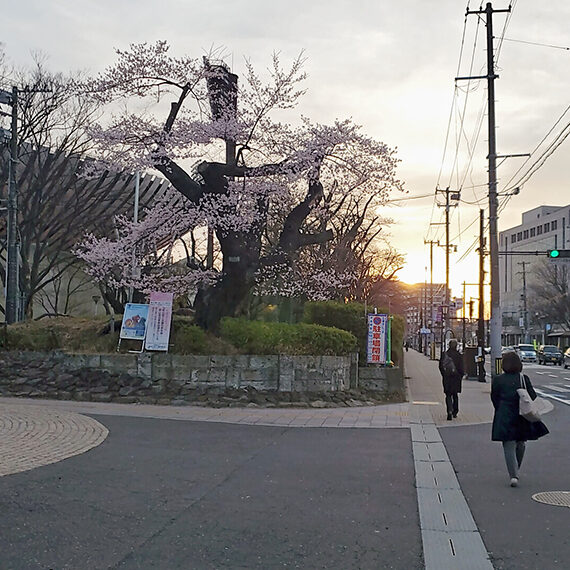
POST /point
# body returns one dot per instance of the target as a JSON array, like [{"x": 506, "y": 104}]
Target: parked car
[
  {"x": 567, "y": 358},
  {"x": 507, "y": 349},
  {"x": 549, "y": 353},
  {"x": 526, "y": 352}
]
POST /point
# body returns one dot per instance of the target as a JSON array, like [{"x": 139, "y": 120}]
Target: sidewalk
[
  {"x": 450, "y": 537},
  {"x": 425, "y": 388}
]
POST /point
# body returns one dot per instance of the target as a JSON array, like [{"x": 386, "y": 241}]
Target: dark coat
[
  {"x": 507, "y": 424},
  {"x": 452, "y": 382}
]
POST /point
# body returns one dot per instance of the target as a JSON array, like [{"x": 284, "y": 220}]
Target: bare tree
[{"x": 550, "y": 292}]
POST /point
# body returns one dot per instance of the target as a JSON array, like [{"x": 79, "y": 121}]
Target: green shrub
[
  {"x": 187, "y": 338},
  {"x": 257, "y": 337},
  {"x": 346, "y": 316},
  {"x": 351, "y": 317}
]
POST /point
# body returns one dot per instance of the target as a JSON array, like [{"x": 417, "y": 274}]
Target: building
[
  {"x": 424, "y": 302},
  {"x": 522, "y": 251}
]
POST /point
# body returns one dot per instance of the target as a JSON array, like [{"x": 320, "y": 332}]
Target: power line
[
  {"x": 536, "y": 44},
  {"x": 510, "y": 185}
]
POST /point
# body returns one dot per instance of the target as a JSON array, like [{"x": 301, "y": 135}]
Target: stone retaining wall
[
  {"x": 387, "y": 380},
  {"x": 152, "y": 377},
  {"x": 169, "y": 378}
]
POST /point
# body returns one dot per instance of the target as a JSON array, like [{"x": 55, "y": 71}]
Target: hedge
[
  {"x": 351, "y": 317},
  {"x": 257, "y": 337}
]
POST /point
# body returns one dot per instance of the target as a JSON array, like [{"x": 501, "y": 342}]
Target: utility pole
[
  {"x": 481, "y": 320},
  {"x": 431, "y": 244},
  {"x": 12, "y": 268},
  {"x": 448, "y": 193},
  {"x": 525, "y": 311},
  {"x": 495, "y": 322},
  {"x": 463, "y": 331}
]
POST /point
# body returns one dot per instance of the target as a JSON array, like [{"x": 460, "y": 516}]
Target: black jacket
[
  {"x": 452, "y": 382},
  {"x": 507, "y": 424}
]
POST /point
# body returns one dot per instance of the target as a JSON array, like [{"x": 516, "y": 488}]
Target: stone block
[
  {"x": 144, "y": 365},
  {"x": 125, "y": 399},
  {"x": 82, "y": 396},
  {"x": 181, "y": 368},
  {"x": 261, "y": 362},
  {"x": 101, "y": 397},
  {"x": 76, "y": 361},
  {"x": 157, "y": 387},
  {"x": 286, "y": 376},
  {"x": 197, "y": 361},
  {"x": 221, "y": 361},
  {"x": 234, "y": 378},
  {"x": 161, "y": 366},
  {"x": 217, "y": 375},
  {"x": 117, "y": 363}
]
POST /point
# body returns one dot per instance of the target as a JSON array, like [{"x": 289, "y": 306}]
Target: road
[
  {"x": 171, "y": 494},
  {"x": 549, "y": 381}
]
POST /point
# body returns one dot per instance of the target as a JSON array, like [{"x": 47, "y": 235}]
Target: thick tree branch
[{"x": 181, "y": 180}]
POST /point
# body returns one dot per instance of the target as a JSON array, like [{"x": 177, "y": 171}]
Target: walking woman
[{"x": 508, "y": 426}]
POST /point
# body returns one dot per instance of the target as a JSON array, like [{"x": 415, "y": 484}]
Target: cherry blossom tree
[{"x": 272, "y": 192}]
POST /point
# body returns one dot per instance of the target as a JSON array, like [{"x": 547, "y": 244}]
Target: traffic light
[{"x": 558, "y": 253}]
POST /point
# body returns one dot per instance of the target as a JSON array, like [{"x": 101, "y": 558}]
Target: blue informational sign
[
  {"x": 134, "y": 323},
  {"x": 378, "y": 341}
]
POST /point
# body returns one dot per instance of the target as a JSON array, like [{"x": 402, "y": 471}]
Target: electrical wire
[
  {"x": 510, "y": 185},
  {"x": 536, "y": 44}
]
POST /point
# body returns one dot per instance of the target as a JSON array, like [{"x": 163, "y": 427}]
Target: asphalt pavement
[{"x": 127, "y": 486}]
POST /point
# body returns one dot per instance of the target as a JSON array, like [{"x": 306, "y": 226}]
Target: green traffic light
[{"x": 554, "y": 253}]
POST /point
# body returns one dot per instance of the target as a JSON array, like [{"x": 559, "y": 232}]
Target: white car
[{"x": 526, "y": 352}]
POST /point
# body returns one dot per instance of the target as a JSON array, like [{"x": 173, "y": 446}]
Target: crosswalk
[
  {"x": 553, "y": 386},
  {"x": 559, "y": 392}
]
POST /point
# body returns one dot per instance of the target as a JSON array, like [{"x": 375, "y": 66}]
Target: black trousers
[{"x": 452, "y": 403}]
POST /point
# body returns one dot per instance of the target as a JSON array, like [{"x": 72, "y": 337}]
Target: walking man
[{"x": 451, "y": 368}]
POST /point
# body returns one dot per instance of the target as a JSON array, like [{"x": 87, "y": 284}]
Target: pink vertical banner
[{"x": 159, "y": 319}]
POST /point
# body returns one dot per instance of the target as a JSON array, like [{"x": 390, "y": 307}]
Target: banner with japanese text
[
  {"x": 159, "y": 319},
  {"x": 377, "y": 347}
]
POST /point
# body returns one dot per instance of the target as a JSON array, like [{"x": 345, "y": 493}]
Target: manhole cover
[{"x": 556, "y": 498}]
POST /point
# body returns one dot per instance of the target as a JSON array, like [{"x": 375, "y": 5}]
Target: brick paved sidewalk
[
  {"x": 385, "y": 416},
  {"x": 32, "y": 436}
]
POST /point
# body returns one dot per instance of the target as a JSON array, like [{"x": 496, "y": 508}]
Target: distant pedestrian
[
  {"x": 407, "y": 345},
  {"x": 508, "y": 426},
  {"x": 451, "y": 368}
]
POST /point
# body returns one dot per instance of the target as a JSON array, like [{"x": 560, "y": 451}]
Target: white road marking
[
  {"x": 558, "y": 388},
  {"x": 552, "y": 397}
]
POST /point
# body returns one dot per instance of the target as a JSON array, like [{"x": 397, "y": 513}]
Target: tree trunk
[{"x": 227, "y": 297}]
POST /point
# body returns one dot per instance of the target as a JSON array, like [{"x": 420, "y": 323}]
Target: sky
[{"x": 390, "y": 67}]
